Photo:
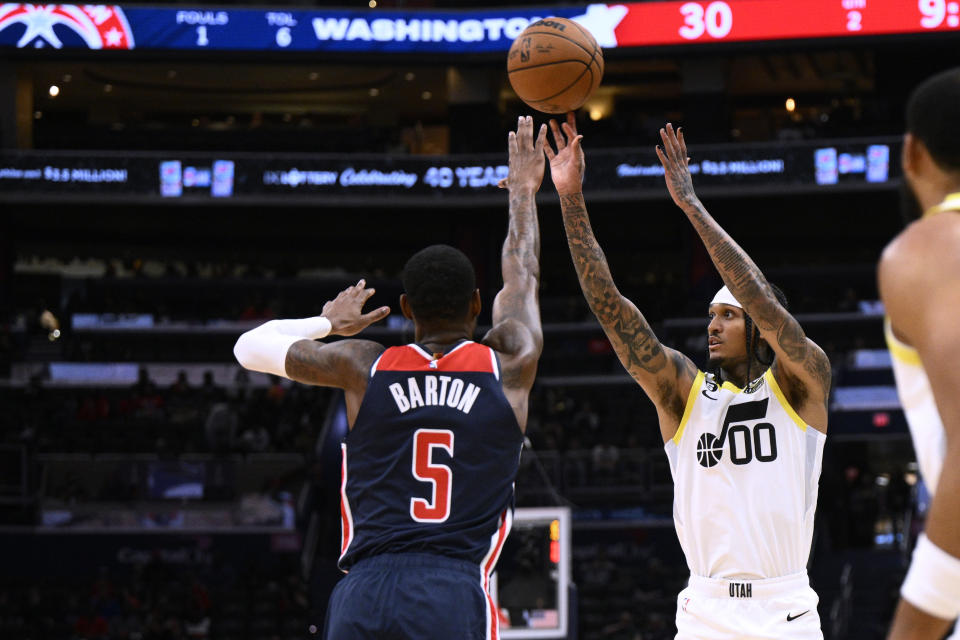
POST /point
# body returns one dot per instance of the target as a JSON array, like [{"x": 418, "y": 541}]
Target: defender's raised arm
[{"x": 517, "y": 333}]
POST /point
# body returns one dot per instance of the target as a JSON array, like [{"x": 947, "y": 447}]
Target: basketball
[{"x": 555, "y": 65}]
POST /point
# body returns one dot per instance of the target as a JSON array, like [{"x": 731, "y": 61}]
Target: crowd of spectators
[
  {"x": 234, "y": 289},
  {"x": 627, "y": 585},
  {"x": 176, "y": 419},
  {"x": 159, "y": 601}
]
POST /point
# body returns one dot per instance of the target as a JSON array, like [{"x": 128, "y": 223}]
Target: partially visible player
[
  {"x": 744, "y": 438},
  {"x": 436, "y": 427},
  {"x": 919, "y": 278}
]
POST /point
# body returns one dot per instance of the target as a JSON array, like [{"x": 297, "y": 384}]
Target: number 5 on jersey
[{"x": 437, "y": 508}]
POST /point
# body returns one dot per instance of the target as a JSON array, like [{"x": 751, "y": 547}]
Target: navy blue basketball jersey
[{"x": 430, "y": 463}]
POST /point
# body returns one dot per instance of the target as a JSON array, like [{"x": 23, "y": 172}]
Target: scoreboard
[
  {"x": 670, "y": 23},
  {"x": 625, "y": 25}
]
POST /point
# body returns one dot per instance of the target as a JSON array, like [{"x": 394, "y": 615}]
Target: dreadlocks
[{"x": 755, "y": 344}]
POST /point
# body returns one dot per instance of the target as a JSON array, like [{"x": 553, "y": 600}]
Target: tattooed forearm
[
  {"x": 520, "y": 262},
  {"x": 338, "y": 364},
  {"x": 738, "y": 271},
  {"x": 631, "y": 335},
  {"x": 792, "y": 339},
  {"x": 304, "y": 363},
  {"x": 521, "y": 249}
]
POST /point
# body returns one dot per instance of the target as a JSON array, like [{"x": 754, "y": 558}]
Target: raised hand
[
  {"x": 344, "y": 311},
  {"x": 673, "y": 157},
  {"x": 526, "y": 156},
  {"x": 567, "y": 164}
]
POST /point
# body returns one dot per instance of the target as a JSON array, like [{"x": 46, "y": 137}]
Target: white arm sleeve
[
  {"x": 265, "y": 347},
  {"x": 933, "y": 581}
]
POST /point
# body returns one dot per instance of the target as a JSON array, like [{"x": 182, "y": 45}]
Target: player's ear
[
  {"x": 907, "y": 153},
  {"x": 914, "y": 155},
  {"x": 475, "y": 303},
  {"x": 405, "y": 307}
]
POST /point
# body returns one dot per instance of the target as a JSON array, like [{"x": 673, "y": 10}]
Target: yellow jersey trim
[
  {"x": 729, "y": 386},
  {"x": 898, "y": 350},
  {"x": 688, "y": 409},
  {"x": 950, "y": 203},
  {"x": 772, "y": 381}
]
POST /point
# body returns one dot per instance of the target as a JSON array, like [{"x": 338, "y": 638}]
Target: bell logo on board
[{"x": 99, "y": 26}]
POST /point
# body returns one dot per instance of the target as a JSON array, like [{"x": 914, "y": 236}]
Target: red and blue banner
[{"x": 632, "y": 24}]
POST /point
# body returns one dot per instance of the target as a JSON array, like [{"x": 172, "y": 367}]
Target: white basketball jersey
[
  {"x": 920, "y": 409},
  {"x": 746, "y": 470},
  {"x": 916, "y": 396}
]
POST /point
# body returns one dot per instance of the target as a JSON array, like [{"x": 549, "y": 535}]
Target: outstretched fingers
[
  {"x": 661, "y": 156},
  {"x": 670, "y": 152},
  {"x": 375, "y": 316},
  {"x": 541, "y": 142},
  {"x": 570, "y": 127},
  {"x": 548, "y": 151},
  {"x": 558, "y": 138},
  {"x": 358, "y": 292},
  {"x": 575, "y": 143},
  {"x": 675, "y": 147},
  {"x": 665, "y": 140},
  {"x": 679, "y": 155},
  {"x": 524, "y": 128},
  {"x": 547, "y": 147},
  {"x": 661, "y": 150}
]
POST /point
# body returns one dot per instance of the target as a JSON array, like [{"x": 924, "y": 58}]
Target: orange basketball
[{"x": 555, "y": 65}]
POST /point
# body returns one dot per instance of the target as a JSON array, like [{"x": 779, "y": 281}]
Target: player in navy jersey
[{"x": 436, "y": 427}]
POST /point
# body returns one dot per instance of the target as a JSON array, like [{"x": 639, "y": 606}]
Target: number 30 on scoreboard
[{"x": 714, "y": 19}]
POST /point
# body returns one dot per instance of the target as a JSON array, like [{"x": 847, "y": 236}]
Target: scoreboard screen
[{"x": 623, "y": 25}]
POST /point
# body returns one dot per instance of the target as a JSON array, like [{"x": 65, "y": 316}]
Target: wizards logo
[{"x": 64, "y": 25}]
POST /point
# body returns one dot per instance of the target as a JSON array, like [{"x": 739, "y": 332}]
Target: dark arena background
[{"x": 171, "y": 176}]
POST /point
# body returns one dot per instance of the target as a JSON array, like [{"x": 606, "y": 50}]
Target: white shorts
[{"x": 782, "y": 608}]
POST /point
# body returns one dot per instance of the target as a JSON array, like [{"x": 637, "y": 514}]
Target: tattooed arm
[
  {"x": 517, "y": 334},
  {"x": 294, "y": 354},
  {"x": 801, "y": 367},
  {"x": 664, "y": 374}
]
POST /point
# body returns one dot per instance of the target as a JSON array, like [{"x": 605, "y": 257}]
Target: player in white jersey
[
  {"x": 919, "y": 278},
  {"x": 745, "y": 441}
]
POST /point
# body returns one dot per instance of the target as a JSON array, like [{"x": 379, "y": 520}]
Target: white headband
[{"x": 725, "y": 297}]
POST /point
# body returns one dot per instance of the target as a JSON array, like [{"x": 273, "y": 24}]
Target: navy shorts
[{"x": 410, "y": 596}]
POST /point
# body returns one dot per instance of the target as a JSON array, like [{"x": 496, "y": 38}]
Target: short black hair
[
  {"x": 439, "y": 282},
  {"x": 932, "y": 117}
]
